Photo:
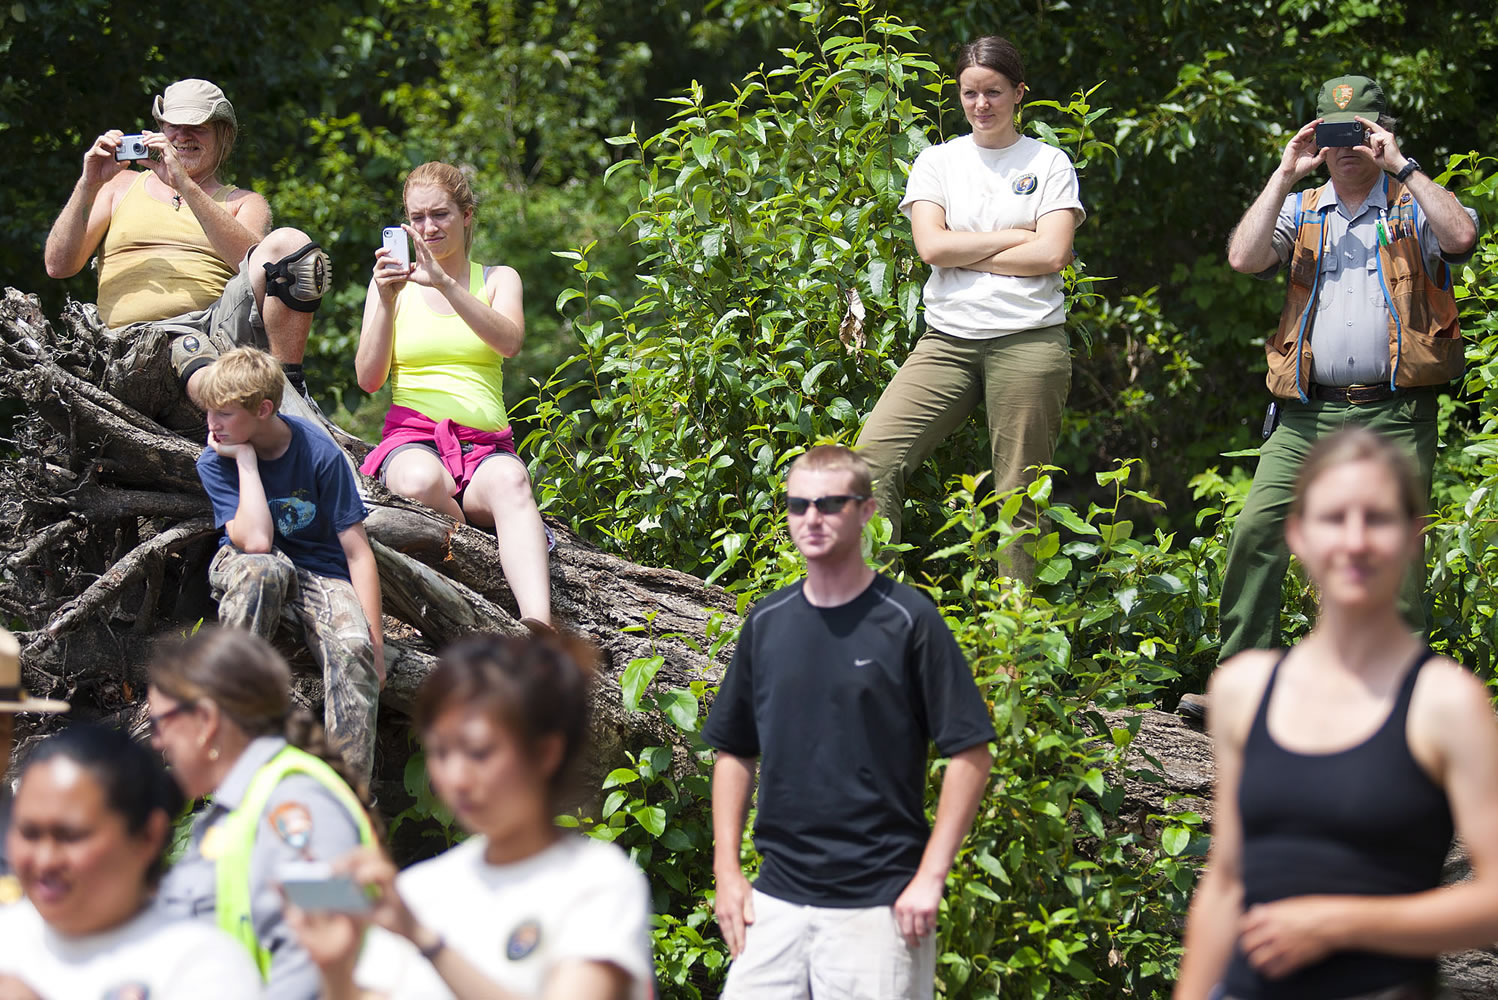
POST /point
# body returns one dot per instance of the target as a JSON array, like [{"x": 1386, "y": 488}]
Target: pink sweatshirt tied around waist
[{"x": 404, "y": 425}]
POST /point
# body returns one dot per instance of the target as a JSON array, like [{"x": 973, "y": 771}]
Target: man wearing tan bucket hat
[
  {"x": 182, "y": 249},
  {"x": 13, "y": 699}
]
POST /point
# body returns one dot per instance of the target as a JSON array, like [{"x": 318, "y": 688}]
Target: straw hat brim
[{"x": 44, "y": 706}]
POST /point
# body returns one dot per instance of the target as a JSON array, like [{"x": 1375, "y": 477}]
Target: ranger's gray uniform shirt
[
  {"x": 1350, "y": 331},
  {"x": 302, "y": 822}
]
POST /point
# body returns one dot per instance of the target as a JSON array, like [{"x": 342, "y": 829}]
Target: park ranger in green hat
[{"x": 1368, "y": 334}]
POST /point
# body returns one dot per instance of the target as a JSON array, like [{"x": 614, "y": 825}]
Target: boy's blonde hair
[{"x": 244, "y": 377}]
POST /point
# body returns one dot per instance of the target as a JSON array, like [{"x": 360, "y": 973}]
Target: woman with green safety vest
[{"x": 222, "y": 715}]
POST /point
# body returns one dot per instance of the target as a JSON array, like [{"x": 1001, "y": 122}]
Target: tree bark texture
[{"x": 107, "y": 535}]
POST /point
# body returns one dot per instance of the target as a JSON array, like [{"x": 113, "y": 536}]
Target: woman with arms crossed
[
  {"x": 1343, "y": 766},
  {"x": 440, "y": 328},
  {"x": 993, "y": 213},
  {"x": 522, "y": 910}
]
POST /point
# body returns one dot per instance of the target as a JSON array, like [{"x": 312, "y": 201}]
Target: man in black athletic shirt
[{"x": 838, "y": 686}]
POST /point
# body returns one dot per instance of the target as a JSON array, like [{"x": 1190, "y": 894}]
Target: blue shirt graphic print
[
  {"x": 292, "y": 513},
  {"x": 311, "y": 493}
]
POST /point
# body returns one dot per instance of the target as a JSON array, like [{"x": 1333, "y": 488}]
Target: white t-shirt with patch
[
  {"x": 580, "y": 899},
  {"x": 151, "y": 956},
  {"x": 982, "y": 191}
]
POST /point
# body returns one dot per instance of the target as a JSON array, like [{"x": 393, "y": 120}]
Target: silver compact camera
[{"x": 132, "y": 147}]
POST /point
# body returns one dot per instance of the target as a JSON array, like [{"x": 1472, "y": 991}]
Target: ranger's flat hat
[
  {"x": 1344, "y": 98},
  {"x": 12, "y": 697}
]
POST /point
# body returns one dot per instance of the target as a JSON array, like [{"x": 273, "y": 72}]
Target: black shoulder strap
[{"x": 1261, "y": 716}]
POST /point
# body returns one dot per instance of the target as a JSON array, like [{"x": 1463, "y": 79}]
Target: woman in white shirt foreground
[
  {"x": 522, "y": 909},
  {"x": 89, "y": 829}
]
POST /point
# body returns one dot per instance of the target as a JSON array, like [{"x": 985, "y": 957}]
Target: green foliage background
[{"x": 692, "y": 192}]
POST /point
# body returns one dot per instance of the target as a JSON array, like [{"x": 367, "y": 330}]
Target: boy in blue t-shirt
[{"x": 294, "y": 543}]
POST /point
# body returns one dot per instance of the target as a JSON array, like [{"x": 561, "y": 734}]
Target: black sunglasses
[
  {"x": 825, "y": 505},
  {"x": 156, "y": 721}
]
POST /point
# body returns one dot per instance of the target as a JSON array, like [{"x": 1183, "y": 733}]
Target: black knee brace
[{"x": 300, "y": 279}]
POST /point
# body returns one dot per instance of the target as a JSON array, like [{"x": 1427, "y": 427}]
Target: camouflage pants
[{"x": 257, "y": 592}]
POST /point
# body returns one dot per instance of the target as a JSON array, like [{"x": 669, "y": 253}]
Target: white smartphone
[
  {"x": 399, "y": 247},
  {"x": 312, "y": 886}
]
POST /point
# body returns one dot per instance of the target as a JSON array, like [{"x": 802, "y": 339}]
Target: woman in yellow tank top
[{"x": 440, "y": 329}]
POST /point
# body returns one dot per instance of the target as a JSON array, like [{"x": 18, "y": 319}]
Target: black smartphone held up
[{"x": 1340, "y": 134}]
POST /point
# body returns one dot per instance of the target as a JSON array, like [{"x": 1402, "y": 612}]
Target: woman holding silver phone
[
  {"x": 221, "y": 713},
  {"x": 522, "y": 909},
  {"x": 438, "y": 326}
]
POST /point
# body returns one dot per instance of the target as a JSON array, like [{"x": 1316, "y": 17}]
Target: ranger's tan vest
[{"x": 1425, "y": 342}]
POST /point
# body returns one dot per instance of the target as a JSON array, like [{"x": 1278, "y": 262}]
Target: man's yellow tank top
[
  {"x": 157, "y": 262},
  {"x": 440, "y": 367}
]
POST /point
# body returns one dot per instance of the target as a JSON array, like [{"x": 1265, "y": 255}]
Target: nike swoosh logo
[{"x": 862, "y": 663}]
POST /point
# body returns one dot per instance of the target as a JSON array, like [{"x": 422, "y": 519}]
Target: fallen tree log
[{"x": 108, "y": 535}]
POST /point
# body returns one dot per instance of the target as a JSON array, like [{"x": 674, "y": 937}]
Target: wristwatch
[{"x": 1410, "y": 166}]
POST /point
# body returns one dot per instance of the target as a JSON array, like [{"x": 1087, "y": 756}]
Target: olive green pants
[
  {"x": 1258, "y": 558},
  {"x": 1022, "y": 380}
]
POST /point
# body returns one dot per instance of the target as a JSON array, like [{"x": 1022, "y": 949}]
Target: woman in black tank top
[{"x": 1343, "y": 766}]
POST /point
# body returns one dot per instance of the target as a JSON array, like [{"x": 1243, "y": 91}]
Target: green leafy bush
[
  {"x": 780, "y": 292},
  {"x": 657, "y": 807},
  {"x": 1057, "y": 892},
  {"x": 763, "y": 219},
  {"x": 1463, "y": 540}
]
